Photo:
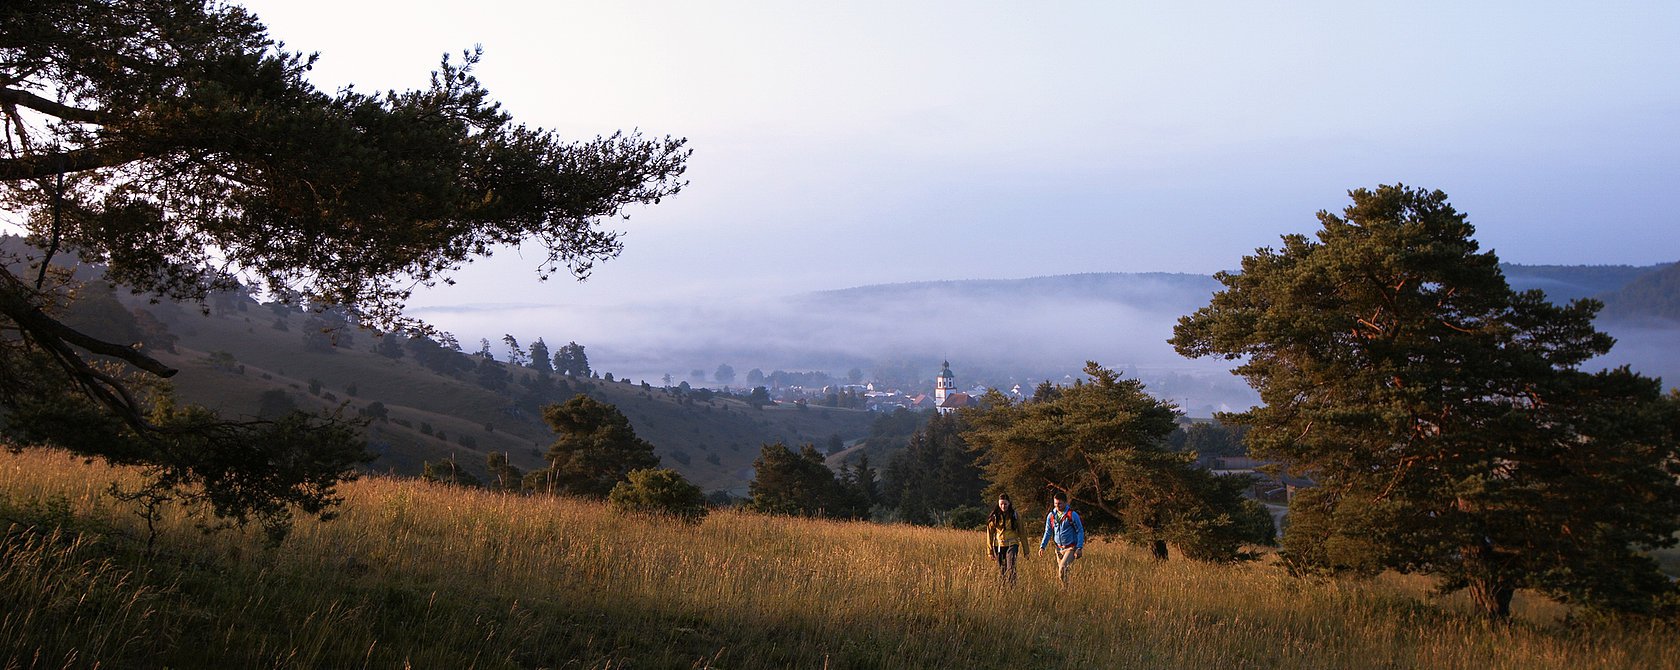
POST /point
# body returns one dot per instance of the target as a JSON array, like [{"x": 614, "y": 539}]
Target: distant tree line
[{"x": 1653, "y": 297}]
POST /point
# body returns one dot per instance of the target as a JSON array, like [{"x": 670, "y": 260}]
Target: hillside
[
  {"x": 427, "y": 576},
  {"x": 1563, "y": 283},
  {"x": 435, "y": 415},
  {"x": 1652, "y": 298}
]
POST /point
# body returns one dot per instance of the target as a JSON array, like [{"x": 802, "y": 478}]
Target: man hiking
[{"x": 1062, "y": 524}]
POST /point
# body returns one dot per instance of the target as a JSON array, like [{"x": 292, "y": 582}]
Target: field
[{"x": 424, "y": 576}]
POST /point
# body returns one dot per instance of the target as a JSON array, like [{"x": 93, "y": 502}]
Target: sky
[{"x": 851, "y": 143}]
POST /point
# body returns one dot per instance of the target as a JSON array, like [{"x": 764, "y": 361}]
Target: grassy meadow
[{"x": 425, "y": 576}]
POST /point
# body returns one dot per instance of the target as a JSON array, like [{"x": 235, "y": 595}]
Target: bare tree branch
[
  {"x": 64, "y": 162},
  {"x": 60, "y": 110}
]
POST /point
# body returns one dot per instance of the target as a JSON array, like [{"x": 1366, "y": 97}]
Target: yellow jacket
[{"x": 1004, "y": 534}]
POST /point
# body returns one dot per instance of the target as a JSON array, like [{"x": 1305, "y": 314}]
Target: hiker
[
  {"x": 1004, "y": 539},
  {"x": 1062, "y": 524}
]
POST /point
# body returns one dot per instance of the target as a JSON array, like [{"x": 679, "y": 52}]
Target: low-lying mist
[{"x": 994, "y": 333}]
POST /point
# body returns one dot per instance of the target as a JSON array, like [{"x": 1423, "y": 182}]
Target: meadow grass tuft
[{"x": 426, "y": 576}]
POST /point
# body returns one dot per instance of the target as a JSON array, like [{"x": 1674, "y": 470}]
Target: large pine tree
[
  {"x": 179, "y": 146},
  {"x": 1443, "y": 416}
]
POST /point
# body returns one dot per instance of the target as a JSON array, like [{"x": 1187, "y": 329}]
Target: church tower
[{"x": 943, "y": 386}]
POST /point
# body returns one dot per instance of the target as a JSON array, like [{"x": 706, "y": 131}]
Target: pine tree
[
  {"x": 1104, "y": 444},
  {"x": 539, "y": 357},
  {"x": 1442, "y": 415},
  {"x": 596, "y": 447},
  {"x": 516, "y": 355},
  {"x": 800, "y": 483}
]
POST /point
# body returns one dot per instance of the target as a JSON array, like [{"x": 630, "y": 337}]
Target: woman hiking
[{"x": 1004, "y": 539}]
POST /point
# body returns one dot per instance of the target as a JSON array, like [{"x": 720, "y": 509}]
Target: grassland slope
[{"x": 422, "y": 575}]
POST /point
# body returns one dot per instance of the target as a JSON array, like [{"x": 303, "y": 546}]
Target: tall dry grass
[{"x": 431, "y": 577}]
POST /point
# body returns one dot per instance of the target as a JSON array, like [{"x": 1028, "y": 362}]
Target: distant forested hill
[
  {"x": 1144, "y": 290},
  {"x": 1563, "y": 283},
  {"x": 1176, "y": 291},
  {"x": 426, "y": 401},
  {"x": 440, "y": 404},
  {"x": 1652, "y": 298},
  {"x": 1640, "y": 295}
]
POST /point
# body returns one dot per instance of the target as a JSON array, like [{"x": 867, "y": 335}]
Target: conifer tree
[
  {"x": 1443, "y": 416},
  {"x": 936, "y": 472},
  {"x": 1104, "y": 444},
  {"x": 181, "y": 148},
  {"x": 785, "y": 482},
  {"x": 539, "y": 357},
  {"x": 596, "y": 447},
  {"x": 516, "y": 355}
]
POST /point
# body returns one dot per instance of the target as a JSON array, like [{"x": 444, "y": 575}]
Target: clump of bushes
[{"x": 660, "y": 491}]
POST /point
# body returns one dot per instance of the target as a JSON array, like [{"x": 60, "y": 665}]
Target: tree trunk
[
  {"x": 1493, "y": 598},
  {"x": 1159, "y": 549}
]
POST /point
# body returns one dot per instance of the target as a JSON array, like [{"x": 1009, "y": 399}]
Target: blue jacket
[{"x": 1069, "y": 531}]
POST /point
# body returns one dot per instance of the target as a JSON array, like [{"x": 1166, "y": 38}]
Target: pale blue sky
[{"x": 851, "y": 143}]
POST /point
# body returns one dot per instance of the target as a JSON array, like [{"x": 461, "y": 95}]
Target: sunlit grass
[{"x": 436, "y": 577}]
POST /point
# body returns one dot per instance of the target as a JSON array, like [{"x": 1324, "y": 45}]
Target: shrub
[
  {"x": 659, "y": 491},
  {"x": 967, "y": 518},
  {"x": 447, "y": 472},
  {"x": 376, "y": 410}
]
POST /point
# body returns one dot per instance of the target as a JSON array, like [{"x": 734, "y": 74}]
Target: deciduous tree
[
  {"x": 659, "y": 491},
  {"x": 504, "y": 476}
]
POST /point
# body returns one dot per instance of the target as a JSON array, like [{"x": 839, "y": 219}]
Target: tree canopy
[
  {"x": 571, "y": 361},
  {"x": 1442, "y": 415},
  {"x": 1104, "y": 444},
  {"x": 934, "y": 474},
  {"x": 181, "y": 148},
  {"x": 596, "y": 449},
  {"x": 659, "y": 491},
  {"x": 786, "y": 482}
]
